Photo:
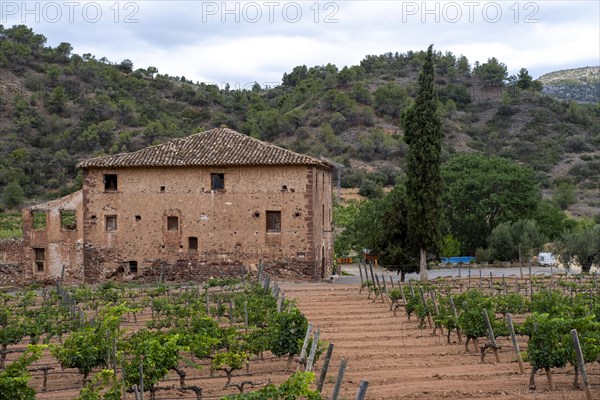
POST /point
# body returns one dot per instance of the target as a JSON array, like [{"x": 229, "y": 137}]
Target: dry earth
[{"x": 401, "y": 361}]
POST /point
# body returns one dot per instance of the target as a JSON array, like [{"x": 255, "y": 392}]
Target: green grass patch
[{"x": 10, "y": 225}]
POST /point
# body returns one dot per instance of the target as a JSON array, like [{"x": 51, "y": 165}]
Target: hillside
[
  {"x": 58, "y": 107},
  {"x": 579, "y": 84}
]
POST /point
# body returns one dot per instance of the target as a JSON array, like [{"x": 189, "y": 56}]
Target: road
[{"x": 353, "y": 276}]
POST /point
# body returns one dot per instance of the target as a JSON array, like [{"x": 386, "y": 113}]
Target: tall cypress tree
[{"x": 423, "y": 134}]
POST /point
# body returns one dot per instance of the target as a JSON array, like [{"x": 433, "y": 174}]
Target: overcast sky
[{"x": 241, "y": 42}]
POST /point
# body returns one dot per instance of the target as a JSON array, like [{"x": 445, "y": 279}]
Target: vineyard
[
  {"x": 466, "y": 337},
  {"x": 451, "y": 338},
  {"x": 224, "y": 338}
]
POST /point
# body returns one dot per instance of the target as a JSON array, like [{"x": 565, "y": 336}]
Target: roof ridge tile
[{"x": 215, "y": 147}]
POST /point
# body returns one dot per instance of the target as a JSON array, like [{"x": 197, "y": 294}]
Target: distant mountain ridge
[{"x": 578, "y": 84}]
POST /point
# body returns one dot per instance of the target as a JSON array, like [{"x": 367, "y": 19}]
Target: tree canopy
[
  {"x": 380, "y": 225},
  {"x": 492, "y": 73},
  {"x": 580, "y": 247},
  {"x": 481, "y": 192}
]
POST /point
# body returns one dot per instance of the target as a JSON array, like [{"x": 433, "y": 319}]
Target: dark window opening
[
  {"x": 110, "y": 182},
  {"x": 297, "y": 214},
  {"x": 323, "y": 215},
  {"x": 40, "y": 259},
  {"x": 93, "y": 218},
  {"x": 138, "y": 218},
  {"x": 217, "y": 181},
  {"x": 68, "y": 220},
  {"x": 39, "y": 220},
  {"x": 162, "y": 188},
  {"x": 111, "y": 223},
  {"x": 273, "y": 221},
  {"x": 172, "y": 223},
  {"x": 133, "y": 267},
  {"x": 256, "y": 214},
  {"x": 284, "y": 188}
]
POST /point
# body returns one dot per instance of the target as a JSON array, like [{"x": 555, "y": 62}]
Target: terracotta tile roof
[{"x": 215, "y": 147}]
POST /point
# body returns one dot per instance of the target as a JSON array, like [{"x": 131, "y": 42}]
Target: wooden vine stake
[
  {"x": 142, "y": 377},
  {"x": 437, "y": 311},
  {"x": 383, "y": 298},
  {"x": 325, "y": 368},
  {"x": 361, "y": 275},
  {"x": 339, "y": 380},
  {"x": 426, "y": 308},
  {"x": 491, "y": 336},
  {"x": 402, "y": 294},
  {"x": 246, "y": 315},
  {"x": 515, "y": 343},
  {"x": 305, "y": 345},
  {"x": 384, "y": 288},
  {"x": 362, "y": 390},
  {"x": 549, "y": 377},
  {"x": 458, "y": 333},
  {"x": 581, "y": 364},
  {"x": 469, "y": 280},
  {"x": 313, "y": 351}
]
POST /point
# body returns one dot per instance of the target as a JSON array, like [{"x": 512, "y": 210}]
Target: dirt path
[{"x": 401, "y": 361}]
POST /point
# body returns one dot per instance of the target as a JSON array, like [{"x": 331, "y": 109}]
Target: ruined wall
[
  {"x": 54, "y": 239},
  {"x": 12, "y": 271},
  {"x": 132, "y": 225},
  {"x": 320, "y": 187}
]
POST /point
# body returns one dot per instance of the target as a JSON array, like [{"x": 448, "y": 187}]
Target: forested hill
[{"x": 58, "y": 107}]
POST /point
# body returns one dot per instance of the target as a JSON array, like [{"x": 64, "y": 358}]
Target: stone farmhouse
[{"x": 209, "y": 204}]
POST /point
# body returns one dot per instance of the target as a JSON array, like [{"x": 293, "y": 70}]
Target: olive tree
[{"x": 580, "y": 248}]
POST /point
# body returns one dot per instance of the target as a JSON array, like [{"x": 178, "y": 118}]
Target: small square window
[
  {"x": 273, "y": 221},
  {"x": 39, "y": 220},
  {"x": 40, "y": 259},
  {"x": 68, "y": 220},
  {"x": 111, "y": 223},
  {"x": 133, "y": 267},
  {"x": 172, "y": 223},
  {"x": 110, "y": 182},
  {"x": 193, "y": 243},
  {"x": 217, "y": 181}
]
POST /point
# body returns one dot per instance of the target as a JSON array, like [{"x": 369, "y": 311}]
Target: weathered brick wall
[
  {"x": 11, "y": 251},
  {"x": 62, "y": 245},
  {"x": 229, "y": 224},
  {"x": 12, "y": 269}
]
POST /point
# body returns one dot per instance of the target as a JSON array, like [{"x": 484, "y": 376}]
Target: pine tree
[
  {"x": 423, "y": 134},
  {"x": 13, "y": 195},
  {"x": 524, "y": 80}
]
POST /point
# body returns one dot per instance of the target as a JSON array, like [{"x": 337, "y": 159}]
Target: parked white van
[{"x": 546, "y": 259}]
